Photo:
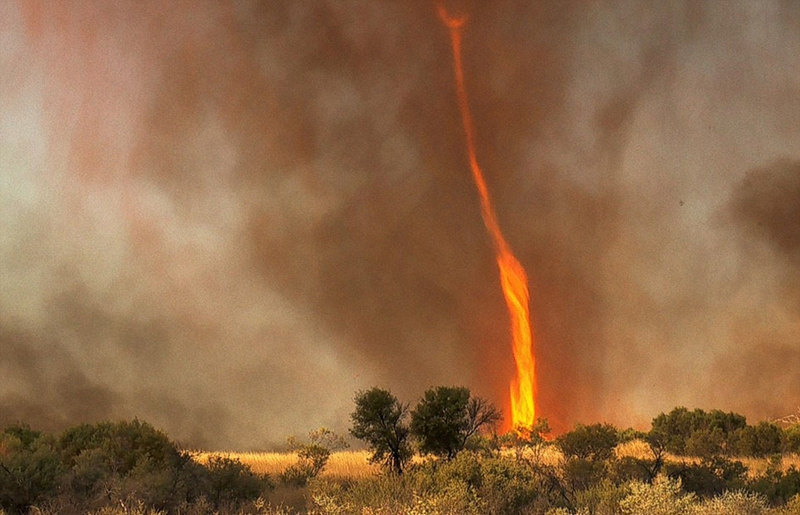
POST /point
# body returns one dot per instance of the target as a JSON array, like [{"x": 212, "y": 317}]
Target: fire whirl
[{"x": 513, "y": 279}]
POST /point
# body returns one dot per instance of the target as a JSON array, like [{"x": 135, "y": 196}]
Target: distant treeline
[{"x": 707, "y": 433}]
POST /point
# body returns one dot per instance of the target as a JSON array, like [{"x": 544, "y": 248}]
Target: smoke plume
[{"x": 226, "y": 217}]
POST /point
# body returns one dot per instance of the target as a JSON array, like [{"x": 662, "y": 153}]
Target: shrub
[
  {"x": 602, "y": 499},
  {"x": 229, "y": 482},
  {"x": 507, "y": 486},
  {"x": 790, "y": 508},
  {"x": 124, "y": 462},
  {"x": 502, "y": 485},
  {"x": 661, "y": 497},
  {"x": 383, "y": 494},
  {"x": 777, "y": 486},
  {"x": 455, "y": 498},
  {"x": 710, "y": 477},
  {"x": 714, "y": 430},
  {"x": 733, "y": 503},
  {"x": 629, "y": 468},
  {"x": 580, "y": 474},
  {"x": 760, "y": 440},
  {"x": 705, "y": 442},
  {"x": 311, "y": 457},
  {"x": 594, "y": 442},
  {"x": 792, "y": 439},
  {"x": 29, "y": 468},
  {"x": 124, "y": 444}
]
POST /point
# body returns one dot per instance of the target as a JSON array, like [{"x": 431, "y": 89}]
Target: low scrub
[{"x": 128, "y": 464}]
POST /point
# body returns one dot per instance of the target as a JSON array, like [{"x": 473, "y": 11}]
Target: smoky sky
[{"x": 227, "y": 217}]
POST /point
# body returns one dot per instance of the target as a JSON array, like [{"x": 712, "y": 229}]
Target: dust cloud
[{"x": 225, "y": 217}]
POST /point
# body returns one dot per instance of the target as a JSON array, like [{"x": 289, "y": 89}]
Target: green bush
[
  {"x": 737, "y": 502},
  {"x": 111, "y": 462},
  {"x": 229, "y": 482},
  {"x": 580, "y": 474},
  {"x": 469, "y": 483},
  {"x": 791, "y": 437},
  {"x": 629, "y": 468},
  {"x": 507, "y": 486},
  {"x": 379, "y": 419},
  {"x": 711, "y": 431},
  {"x": 710, "y": 477},
  {"x": 760, "y": 440},
  {"x": 777, "y": 486},
  {"x": 124, "y": 444},
  {"x": 447, "y": 417},
  {"x": 601, "y": 499},
  {"x": 312, "y": 456},
  {"x": 89, "y": 474},
  {"x": 594, "y": 442},
  {"x": 130, "y": 464},
  {"x": 502, "y": 484},
  {"x": 29, "y": 468},
  {"x": 663, "y": 496}
]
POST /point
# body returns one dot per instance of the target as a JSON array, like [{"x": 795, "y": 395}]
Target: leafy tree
[
  {"x": 705, "y": 442},
  {"x": 379, "y": 419},
  {"x": 792, "y": 439},
  {"x": 759, "y": 441},
  {"x": 710, "y": 432},
  {"x": 656, "y": 441},
  {"x": 29, "y": 468},
  {"x": 674, "y": 428},
  {"x": 594, "y": 442},
  {"x": 447, "y": 417}
]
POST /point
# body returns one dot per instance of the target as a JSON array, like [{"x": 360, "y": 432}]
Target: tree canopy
[
  {"x": 447, "y": 417},
  {"x": 379, "y": 419}
]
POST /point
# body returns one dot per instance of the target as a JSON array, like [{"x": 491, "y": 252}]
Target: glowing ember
[{"x": 513, "y": 279}]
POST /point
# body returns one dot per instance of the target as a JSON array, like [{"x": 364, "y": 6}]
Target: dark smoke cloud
[
  {"x": 226, "y": 217},
  {"x": 765, "y": 208},
  {"x": 767, "y": 204}
]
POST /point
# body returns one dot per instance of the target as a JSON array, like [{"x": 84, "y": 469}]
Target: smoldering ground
[{"x": 227, "y": 217}]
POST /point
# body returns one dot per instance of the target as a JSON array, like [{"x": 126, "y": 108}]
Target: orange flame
[{"x": 513, "y": 279}]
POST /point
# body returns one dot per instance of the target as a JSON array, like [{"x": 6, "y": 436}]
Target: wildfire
[{"x": 513, "y": 279}]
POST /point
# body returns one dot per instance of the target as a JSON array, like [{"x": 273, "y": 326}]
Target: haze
[{"x": 226, "y": 217}]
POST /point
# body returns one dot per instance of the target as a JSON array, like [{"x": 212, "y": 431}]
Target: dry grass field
[
  {"x": 755, "y": 466},
  {"x": 355, "y": 464},
  {"x": 350, "y": 464}
]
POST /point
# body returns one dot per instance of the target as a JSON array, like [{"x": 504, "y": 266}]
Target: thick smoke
[{"x": 227, "y": 217}]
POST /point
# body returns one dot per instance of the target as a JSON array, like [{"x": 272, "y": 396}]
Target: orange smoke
[{"x": 513, "y": 279}]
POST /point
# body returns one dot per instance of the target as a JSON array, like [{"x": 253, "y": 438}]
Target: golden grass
[
  {"x": 634, "y": 449},
  {"x": 351, "y": 464},
  {"x": 755, "y": 466},
  {"x": 355, "y": 464}
]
